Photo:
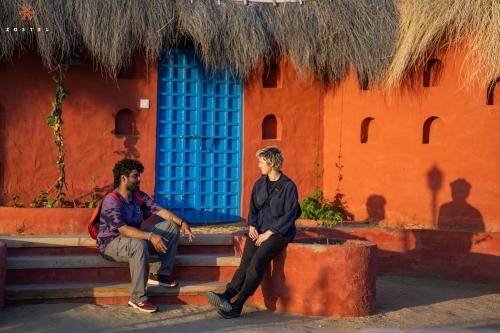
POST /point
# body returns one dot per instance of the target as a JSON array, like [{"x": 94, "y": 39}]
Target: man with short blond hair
[{"x": 274, "y": 207}]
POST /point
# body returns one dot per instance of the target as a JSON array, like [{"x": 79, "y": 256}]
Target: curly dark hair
[{"x": 125, "y": 167}]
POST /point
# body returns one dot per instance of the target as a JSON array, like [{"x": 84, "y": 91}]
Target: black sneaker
[
  {"x": 235, "y": 312},
  {"x": 219, "y": 301},
  {"x": 161, "y": 280}
]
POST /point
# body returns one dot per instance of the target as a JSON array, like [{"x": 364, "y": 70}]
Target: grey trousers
[{"x": 136, "y": 252}]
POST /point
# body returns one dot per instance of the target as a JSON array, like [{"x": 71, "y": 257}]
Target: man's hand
[
  {"x": 186, "y": 229},
  {"x": 159, "y": 243},
  {"x": 252, "y": 233},
  {"x": 263, "y": 237}
]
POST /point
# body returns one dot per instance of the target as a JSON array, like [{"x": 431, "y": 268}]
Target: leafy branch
[{"x": 55, "y": 121}]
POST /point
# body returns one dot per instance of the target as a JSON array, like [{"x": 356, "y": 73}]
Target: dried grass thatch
[
  {"x": 324, "y": 36},
  {"x": 328, "y": 37},
  {"x": 426, "y": 26},
  {"x": 229, "y": 35}
]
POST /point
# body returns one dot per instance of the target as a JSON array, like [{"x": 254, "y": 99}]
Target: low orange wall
[
  {"x": 319, "y": 280},
  {"x": 44, "y": 221},
  {"x": 457, "y": 255}
]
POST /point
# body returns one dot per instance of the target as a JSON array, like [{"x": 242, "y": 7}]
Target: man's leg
[
  {"x": 260, "y": 261},
  {"x": 254, "y": 273},
  {"x": 170, "y": 231},
  {"x": 233, "y": 287},
  {"x": 135, "y": 252}
]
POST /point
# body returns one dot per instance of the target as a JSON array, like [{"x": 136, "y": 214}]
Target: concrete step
[
  {"x": 83, "y": 244},
  {"x": 96, "y": 261},
  {"x": 36, "y": 241},
  {"x": 112, "y": 274},
  {"x": 111, "y": 293},
  {"x": 60, "y": 251}
]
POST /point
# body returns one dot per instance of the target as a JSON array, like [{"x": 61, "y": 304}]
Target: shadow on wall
[
  {"x": 434, "y": 183},
  {"x": 458, "y": 214},
  {"x": 129, "y": 144},
  {"x": 126, "y": 127},
  {"x": 3, "y": 200},
  {"x": 375, "y": 208},
  {"x": 274, "y": 282}
]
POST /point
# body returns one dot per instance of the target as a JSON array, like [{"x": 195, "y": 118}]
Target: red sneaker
[{"x": 145, "y": 306}]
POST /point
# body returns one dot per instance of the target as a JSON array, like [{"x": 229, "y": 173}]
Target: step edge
[
  {"x": 96, "y": 290},
  {"x": 95, "y": 261},
  {"x": 37, "y": 241}
]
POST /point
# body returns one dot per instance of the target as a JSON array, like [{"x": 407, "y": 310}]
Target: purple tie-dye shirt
[{"x": 114, "y": 216}]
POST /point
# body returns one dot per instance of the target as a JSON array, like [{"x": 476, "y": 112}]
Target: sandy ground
[{"x": 414, "y": 305}]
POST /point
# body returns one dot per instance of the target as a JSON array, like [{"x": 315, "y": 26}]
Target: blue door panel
[{"x": 198, "y": 158}]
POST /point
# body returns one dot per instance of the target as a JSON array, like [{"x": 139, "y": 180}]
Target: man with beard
[{"x": 121, "y": 238}]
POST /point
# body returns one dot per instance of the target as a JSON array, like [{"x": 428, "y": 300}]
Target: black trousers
[{"x": 253, "y": 264}]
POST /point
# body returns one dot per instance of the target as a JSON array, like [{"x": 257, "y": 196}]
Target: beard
[{"x": 133, "y": 186}]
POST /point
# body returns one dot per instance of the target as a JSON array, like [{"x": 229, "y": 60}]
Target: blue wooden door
[{"x": 198, "y": 145}]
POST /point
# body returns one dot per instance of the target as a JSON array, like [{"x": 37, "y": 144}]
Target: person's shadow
[
  {"x": 458, "y": 214},
  {"x": 375, "y": 208}
]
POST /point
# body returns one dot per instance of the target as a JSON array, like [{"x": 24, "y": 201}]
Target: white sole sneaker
[
  {"x": 135, "y": 306},
  {"x": 158, "y": 283}
]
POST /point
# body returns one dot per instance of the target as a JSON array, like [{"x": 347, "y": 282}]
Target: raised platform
[
  {"x": 106, "y": 293},
  {"x": 213, "y": 257},
  {"x": 68, "y": 268}
]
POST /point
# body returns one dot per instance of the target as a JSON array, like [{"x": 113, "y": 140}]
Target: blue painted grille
[{"x": 198, "y": 152}]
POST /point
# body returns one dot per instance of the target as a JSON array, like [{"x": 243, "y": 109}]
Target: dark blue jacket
[{"x": 282, "y": 211}]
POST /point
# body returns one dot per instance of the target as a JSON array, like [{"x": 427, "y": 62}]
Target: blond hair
[{"x": 272, "y": 156}]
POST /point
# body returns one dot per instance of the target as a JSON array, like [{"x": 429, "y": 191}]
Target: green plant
[
  {"x": 55, "y": 121},
  {"x": 43, "y": 200},
  {"x": 16, "y": 201},
  {"x": 94, "y": 198},
  {"x": 317, "y": 207}
]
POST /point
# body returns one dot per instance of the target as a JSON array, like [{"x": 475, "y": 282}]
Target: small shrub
[
  {"x": 316, "y": 207},
  {"x": 17, "y": 202},
  {"x": 43, "y": 200}
]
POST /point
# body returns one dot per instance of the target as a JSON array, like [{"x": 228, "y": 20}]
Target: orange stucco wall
[
  {"x": 394, "y": 176},
  {"x": 297, "y": 105},
  {"x": 28, "y": 152},
  {"x": 28, "y": 158}
]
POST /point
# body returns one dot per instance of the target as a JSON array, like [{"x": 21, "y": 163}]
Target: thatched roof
[
  {"x": 326, "y": 37},
  {"x": 428, "y": 26}
]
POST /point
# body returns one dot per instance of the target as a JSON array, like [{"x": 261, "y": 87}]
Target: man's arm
[
  {"x": 112, "y": 216},
  {"x": 291, "y": 207},
  {"x": 157, "y": 240},
  {"x": 253, "y": 210},
  {"x": 185, "y": 229},
  {"x": 154, "y": 208},
  {"x": 167, "y": 215},
  {"x": 253, "y": 216},
  {"x": 285, "y": 222}
]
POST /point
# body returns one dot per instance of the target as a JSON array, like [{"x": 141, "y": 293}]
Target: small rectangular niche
[{"x": 271, "y": 76}]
